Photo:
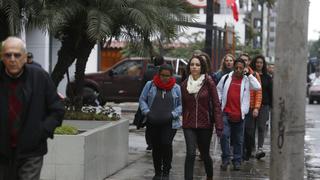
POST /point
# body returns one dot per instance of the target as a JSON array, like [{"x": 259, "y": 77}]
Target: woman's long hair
[
  {"x": 223, "y": 67},
  {"x": 254, "y": 61},
  {"x": 203, "y": 65}
]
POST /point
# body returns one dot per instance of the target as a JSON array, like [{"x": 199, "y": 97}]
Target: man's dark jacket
[{"x": 42, "y": 113}]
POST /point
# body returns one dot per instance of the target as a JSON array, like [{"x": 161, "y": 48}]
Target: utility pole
[
  {"x": 288, "y": 115},
  {"x": 209, "y": 22}
]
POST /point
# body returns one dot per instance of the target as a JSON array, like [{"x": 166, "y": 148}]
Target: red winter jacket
[{"x": 195, "y": 109}]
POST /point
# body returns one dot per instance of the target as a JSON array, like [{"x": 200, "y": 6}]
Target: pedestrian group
[{"x": 232, "y": 103}]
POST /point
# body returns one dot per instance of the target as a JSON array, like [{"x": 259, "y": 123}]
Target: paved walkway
[
  {"x": 141, "y": 168},
  {"x": 140, "y": 165}
]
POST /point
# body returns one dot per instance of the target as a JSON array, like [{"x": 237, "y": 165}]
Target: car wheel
[
  {"x": 310, "y": 100},
  {"x": 90, "y": 96}
]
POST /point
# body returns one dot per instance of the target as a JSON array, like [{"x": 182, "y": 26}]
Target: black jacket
[
  {"x": 42, "y": 113},
  {"x": 266, "y": 83}
]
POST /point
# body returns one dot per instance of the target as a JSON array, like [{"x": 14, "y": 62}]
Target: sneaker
[
  {"x": 224, "y": 166},
  {"x": 246, "y": 158},
  {"x": 149, "y": 149},
  {"x": 260, "y": 154},
  {"x": 236, "y": 166}
]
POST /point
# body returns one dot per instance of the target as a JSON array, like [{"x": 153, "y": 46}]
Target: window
[
  {"x": 257, "y": 23},
  {"x": 130, "y": 68},
  {"x": 271, "y": 39},
  {"x": 272, "y": 29}
]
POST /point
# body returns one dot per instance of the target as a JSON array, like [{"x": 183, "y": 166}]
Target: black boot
[{"x": 157, "y": 176}]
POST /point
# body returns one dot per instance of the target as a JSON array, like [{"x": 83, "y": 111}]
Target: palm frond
[{"x": 99, "y": 25}]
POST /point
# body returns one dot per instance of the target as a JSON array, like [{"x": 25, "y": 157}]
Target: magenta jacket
[{"x": 195, "y": 109}]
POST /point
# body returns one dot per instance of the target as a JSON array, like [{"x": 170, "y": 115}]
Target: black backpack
[{"x": 140, "y": 119}]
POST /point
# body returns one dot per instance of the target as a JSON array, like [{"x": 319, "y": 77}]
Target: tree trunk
[
  {"x": 85, "y": 49},
  {"x": 66, "y": 56}
]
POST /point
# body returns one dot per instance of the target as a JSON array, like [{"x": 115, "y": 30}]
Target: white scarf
[{"x": 193, "y": 86}]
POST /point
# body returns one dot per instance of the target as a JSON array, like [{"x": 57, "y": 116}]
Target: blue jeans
[{"x": 233, "y": 130}]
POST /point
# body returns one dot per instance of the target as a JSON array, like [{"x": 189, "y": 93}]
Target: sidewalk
[{"x": 140, "y": 165}]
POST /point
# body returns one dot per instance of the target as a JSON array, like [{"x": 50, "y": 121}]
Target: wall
[{"x": 42, "y": 47}]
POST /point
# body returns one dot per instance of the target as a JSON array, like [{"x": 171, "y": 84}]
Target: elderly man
[{"x": 30, "y": 111}]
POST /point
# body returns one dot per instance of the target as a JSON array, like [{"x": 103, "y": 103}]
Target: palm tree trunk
[
  {"x": 66, "y": 56},
  {"x": 85, "y": 49}
]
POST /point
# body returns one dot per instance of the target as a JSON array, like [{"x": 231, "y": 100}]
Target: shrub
[{"x": 67, "y": 130}]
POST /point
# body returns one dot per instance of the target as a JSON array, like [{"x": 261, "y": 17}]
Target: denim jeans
[{"x": 233, "y": 130}]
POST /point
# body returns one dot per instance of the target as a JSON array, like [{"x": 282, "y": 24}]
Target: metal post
[
  {"x": 215, "y": 50},
  {"x": 220, "y": 47},
  {"x": 288, "y": 115},
  {"x": 209, "y": 22}
]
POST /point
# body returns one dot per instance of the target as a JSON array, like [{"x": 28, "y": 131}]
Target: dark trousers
[
  {"x": 161, "y": 139},
  {"x": 262, "y": 123},
  {"x": 148, "y": 136},
  {"x": 202, "y": 139},
  {"x": 249, "y": 135},
  {"x": 20, "y": 169}
]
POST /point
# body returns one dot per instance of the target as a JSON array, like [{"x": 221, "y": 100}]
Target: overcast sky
[{"x": 314, "y": 20}]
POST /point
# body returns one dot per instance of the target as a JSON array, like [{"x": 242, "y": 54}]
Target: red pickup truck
[{"x": 122, "y": 82}]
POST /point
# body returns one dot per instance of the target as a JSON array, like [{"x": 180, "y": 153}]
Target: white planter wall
[{"x": 92, "y": 155}]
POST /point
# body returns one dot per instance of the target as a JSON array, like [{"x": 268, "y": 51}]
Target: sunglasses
[{"x": 9, "y": 55}]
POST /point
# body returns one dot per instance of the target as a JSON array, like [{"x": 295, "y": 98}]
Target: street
[{"x": 312, "y": 142}]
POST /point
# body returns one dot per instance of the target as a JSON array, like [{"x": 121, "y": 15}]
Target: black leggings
[
  {"x": 161, "y": 140},
  {"x": 202, "y": 139}
]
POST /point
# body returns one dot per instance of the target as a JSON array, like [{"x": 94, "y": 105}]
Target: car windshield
[{"x": 316, "y": 82}]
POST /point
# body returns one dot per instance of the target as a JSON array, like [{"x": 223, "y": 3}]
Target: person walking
[
  {"x": 259, "y": 65},
  {"x": 234, "y": 95},
  {"x": 250, "y": 118},
  {"x": 148, "y": 75},
  {"x": 31, "y": 61},
  {"x": 201, "y": 110},
  {"x": 225, "y": 67},
  {"x": 160, "y": 101},
  {"x": 30, "y": 112},
  {"x": 206, "y": 58}
]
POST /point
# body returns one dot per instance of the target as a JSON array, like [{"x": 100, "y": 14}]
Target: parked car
[
  {"x": 314, "y": 91},
  {"x": 122, "y": 82}
]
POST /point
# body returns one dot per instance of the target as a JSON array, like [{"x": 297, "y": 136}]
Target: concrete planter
[{"x": 93, "y": 155}]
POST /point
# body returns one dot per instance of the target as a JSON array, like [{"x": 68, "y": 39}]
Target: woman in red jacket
[{"x": 200, "y": 109}]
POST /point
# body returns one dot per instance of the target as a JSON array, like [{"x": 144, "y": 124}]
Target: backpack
[{"x": 139, "y": 119}]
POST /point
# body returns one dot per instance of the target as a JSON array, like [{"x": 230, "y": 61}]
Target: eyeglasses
[
  {"x": 9, "y": 55},
  {"x": 165, "y": 75}
]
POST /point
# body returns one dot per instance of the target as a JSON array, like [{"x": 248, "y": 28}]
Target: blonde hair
[{"x": 223, "y": 65}]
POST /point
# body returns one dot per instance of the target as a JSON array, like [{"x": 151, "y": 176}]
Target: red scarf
[{"x": 165, "y": 86}]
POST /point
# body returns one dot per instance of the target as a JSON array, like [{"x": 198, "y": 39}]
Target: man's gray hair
[{"x": 10, "y": 38}]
